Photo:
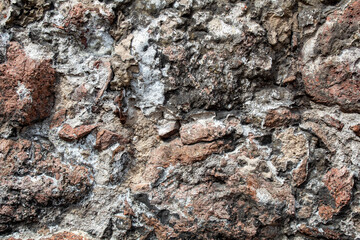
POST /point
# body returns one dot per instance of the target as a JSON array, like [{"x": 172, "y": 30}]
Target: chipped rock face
[
  {"x": 331, "y": 77},
  {"x": 339, "y": 183},
  {"x": 106, "y": 138},
  {"x": 32, "y": 179},
  {"x": 68, "y": 133},
  {"x": 189, "y": 119},
  {"x": 27, "y": 88},
  {"x": 280, "y": 117}
]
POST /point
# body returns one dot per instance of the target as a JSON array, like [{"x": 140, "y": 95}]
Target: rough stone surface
[
  {"x": 106, "y": 138},
  {"x": 69, "y": 134},
  {"x": 168, "y": 129},
  {"x": 331, "y": 77},
  {"x": 191, "y": 119},
  {"x": 280, "y": 117},
  {"x": 31, "y": 180},
  {"x": 339, "y": 183},
  {"x": 27, "y": 88}
]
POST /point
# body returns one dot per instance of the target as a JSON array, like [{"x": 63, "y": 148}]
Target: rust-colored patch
[
  {"x": 280, "y": 117},
  {"x": 300, "y": 173},
  {"x": 58, "y": 118},
  {"x": 326, "y": 212},
  {"x": 356, "y": 129},
  {"x": 106, "y": 138},
  {"x": 65, "y": 236},
  {"x": 339, "y": 182},
  {"x": 27, "y": 87},
  {"x": 68, "y": 133},
  {"x": 316, "y": 232}
]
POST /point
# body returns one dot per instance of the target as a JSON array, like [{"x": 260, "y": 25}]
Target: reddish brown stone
[
  {"x": 68, "y": 133},
  {"x": 326, "y": 212},
  {"x": 280, "y": 117},
  {"x": 27, "y": 87},
  {"x": 356, "y": 129},
  {"x": 333, "y": 80},
  {"x": 175, "y": 151},
  {"x": 83, "y": 130},
  {"x": 203, "y": 131},
  {"x": 317, "y": 232},
  {"x": 106, "y": 138},
  {"x": 333, "y": 84},
  {"x": 33, "y": 179},
  {"x": 65, "y": 236},
  {"x": 289, "y": 79},
  {"x": 58, "y": 118},
  {"x": 339, "y": 183},
  {"x": 300, "y": 173}
]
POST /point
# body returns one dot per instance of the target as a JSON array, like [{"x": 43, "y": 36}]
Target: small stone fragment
[
  {"x": 68, "y": 133},
  {"x": 326, "y": 212},
  {"x": 339, "y": 183},
  {"x": 58, "y": 118},
  {"x": 106, "y": 138},
  {"x": 169, "y": 129},
  {"x": 203, "y": 131},
  {"x": 356, "y": 129},
  {"x": 83, "y": 130},
  {"x": 80, "y": 92},
  {"x": 304, "y": 212},
  {"x": 176, "y": 151},
  {"x": 280, "y": 117},
  {"x": 300, "y": 173}
]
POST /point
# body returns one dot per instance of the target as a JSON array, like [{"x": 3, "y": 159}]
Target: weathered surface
[
  {"x": 70, "y": 134},
  {"x": 330, "y": 71},
  {"x": 280, "y": 117},
  {"x": 27, "y": 88},
  {"x": 164, "y": 119},
  {"x": 106, "y": 138},
  {"x": 203, "y": 131},
  {"x": 31, "y": 179}
]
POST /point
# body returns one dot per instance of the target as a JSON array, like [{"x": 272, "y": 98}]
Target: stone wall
[{"x": 179, "y": 119}]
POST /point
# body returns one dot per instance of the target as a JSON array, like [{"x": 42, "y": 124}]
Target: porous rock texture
[{"x": 179, "y": 119}]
